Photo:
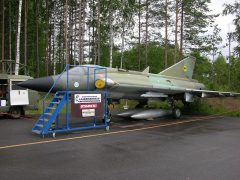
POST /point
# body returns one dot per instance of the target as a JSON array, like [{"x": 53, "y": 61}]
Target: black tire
[
  {"x": 141, "y": 104},
  {"x": 186, "y": 104},
  {"x": 15, "y": 112},
  {"x": 177, "y": 113}
]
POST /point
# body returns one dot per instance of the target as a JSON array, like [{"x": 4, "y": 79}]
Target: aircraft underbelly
[
  {"x": 116, "y": 95},
  {"x": 124, "y": 93}
]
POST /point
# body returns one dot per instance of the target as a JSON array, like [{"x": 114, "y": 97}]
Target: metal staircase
[
  {"x": 44, "y": 123},
  {"x": 48, "y": 123}
]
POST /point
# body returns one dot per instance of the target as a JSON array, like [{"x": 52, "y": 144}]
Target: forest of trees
[{"x": 45, "y": 35}]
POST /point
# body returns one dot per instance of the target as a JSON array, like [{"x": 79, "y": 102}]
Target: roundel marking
[
  {"x": 76, "y": 84},
  {"x": 185, "y": 68},
  {"x": 99, "y": 84}
]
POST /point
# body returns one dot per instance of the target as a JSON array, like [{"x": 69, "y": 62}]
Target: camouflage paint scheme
[{"x": 174, "y": 82}]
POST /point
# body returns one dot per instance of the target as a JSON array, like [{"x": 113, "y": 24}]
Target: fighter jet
[{"x": 173, "y": 83}]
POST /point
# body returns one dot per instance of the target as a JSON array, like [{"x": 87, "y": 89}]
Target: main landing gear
[
  {"x": 109, "y": 108},
  {"x": 176, "y": 112},
  {"x": 142, "y": 104}
]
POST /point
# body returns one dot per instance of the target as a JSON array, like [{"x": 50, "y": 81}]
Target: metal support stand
[{"x": 51, "y": 112}]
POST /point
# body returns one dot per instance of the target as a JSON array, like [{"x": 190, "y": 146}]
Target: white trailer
[{"x": 15, "y": 100}]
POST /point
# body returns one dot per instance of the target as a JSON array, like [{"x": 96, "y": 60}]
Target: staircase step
[
  {"x": 60, "y": 93},
  {"x": 37, "y": 131},
  {"x": 54, "y": 102},
  {"x": 39, "y": 125},
  {"x": 49, "y": 114},
  {"x": 51, "y": 108},
  {"x": 58, "y": 97},
  {"x": 45, "y": 120}
]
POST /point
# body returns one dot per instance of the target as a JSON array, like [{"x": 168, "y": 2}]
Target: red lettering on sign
[{"x": 88, "y": 106}]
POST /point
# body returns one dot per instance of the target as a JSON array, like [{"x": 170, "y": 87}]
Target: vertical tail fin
[{"x": 182, "y": 69}]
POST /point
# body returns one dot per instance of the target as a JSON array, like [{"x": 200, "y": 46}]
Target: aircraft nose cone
[{"x": 39, "y": 84}]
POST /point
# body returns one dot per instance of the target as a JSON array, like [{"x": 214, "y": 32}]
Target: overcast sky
[{"x": 225, "y": 22}]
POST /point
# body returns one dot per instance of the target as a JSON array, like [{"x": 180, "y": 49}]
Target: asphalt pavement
[{"x": 204, "y": 148}]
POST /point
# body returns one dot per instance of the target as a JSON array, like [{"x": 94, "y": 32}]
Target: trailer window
[{"x": 16, "y": 87}]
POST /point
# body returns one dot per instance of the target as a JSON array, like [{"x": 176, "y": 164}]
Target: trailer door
[{"x": 18, "y": 95}]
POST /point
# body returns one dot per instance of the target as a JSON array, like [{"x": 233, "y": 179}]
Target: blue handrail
[
  {"x": 50, "y": 90},
  {"x": 65, "y": 101},
  {"x": 67, "y": 67}
]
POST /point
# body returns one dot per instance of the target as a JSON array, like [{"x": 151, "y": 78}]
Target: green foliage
[
  {"x": 155, "y": 54},
  {"x": 234, "y": 10},
  {"x": 130, "y": 57},
  {"x": 203, "y": 69},
  {"x": 164, "y": 104},
  {"x": 131, "y": 104},
  {"x": 158, "y": 105},
  {"x": 216, "y": 75},
  {"x": 197, "y": 18},
  {"x": 202, "y": 107},
  {"x": 235, "y": 74},
  {"x": 221, "y": 74}
]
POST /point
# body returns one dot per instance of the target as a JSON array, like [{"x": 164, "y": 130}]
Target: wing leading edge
[
  {"x": 208, "y": 93},
  {"x": 153, "y": 92}
]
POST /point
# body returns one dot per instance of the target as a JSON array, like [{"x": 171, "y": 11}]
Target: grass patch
[
  {"x": 46, "y": 102},
  {"x": 130, "y": 103},
  {"x": 202, "y": 107}
]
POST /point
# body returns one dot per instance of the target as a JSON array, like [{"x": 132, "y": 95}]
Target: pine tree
[
  {"x": 196, "y": 18},
  {"x": 234, "y": 10}
]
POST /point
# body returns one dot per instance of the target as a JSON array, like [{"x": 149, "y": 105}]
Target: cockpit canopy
[{"x": 86, "y": 70}]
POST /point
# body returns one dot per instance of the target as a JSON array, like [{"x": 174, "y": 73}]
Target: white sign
[
  {"x": 88, "y": 112},
  {"x": 87, "y": 98},
  {"x": 19, "y": 97}
]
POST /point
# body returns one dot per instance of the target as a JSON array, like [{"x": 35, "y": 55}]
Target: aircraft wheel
[
  {"x": 15, "y": 112},
  {"x": 177, "y": 113},
  {"x": 141, "y": 104},
  {"x": 109, "y": 117}
]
